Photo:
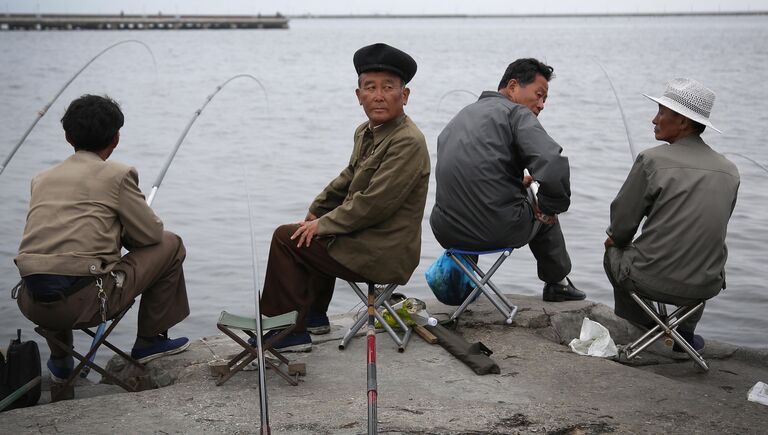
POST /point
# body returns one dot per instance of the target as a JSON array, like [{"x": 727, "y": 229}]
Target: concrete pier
[
  {"x": 139, "y": 22},
  {"x": 543, "y": 387}
]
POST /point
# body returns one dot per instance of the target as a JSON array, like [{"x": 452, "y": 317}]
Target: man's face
[
  {"x": 668, "y": 124},
  {"x": 382, "y": 96},
  {"x": 533, "y": 95}
]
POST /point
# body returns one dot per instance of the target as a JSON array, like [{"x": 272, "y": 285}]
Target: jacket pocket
[{"x": 363, "y": 175}]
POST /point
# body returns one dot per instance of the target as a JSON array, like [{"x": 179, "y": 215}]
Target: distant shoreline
[{"x": 544, "y": 15}]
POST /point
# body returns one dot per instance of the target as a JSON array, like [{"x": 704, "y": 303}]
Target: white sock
[{"x": 564, "y": 282}]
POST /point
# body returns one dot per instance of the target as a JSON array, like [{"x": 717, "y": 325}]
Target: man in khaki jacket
[
  {"x": 366, "y": 224},
  {"x": 81, "y": 213}
]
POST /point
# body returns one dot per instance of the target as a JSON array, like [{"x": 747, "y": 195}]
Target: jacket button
[{"x": 93, "y": 267}]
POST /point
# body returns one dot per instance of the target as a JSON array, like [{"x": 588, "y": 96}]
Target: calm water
[{"x": 290, "y": 147}]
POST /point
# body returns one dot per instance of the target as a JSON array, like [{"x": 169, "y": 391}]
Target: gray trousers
[
  {"x": 616, "y": 264},
  {"x": 154, "y": 272}
]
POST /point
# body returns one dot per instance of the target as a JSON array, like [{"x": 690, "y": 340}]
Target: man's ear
[
  {"x": 406, "y": 93},
  {"x": 512, "y": 84},
  {"x": 115, "y": 139},
  {"x": 357, "y": 94}
]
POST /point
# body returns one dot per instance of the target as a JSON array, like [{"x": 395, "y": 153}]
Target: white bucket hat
[{"x": 690, "y": 99}]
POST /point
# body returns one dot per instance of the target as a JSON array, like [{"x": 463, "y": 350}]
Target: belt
[{"x": 49, "y": 288}]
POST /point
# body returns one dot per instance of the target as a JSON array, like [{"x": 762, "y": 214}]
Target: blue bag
[{"x": 448, "y": 282}]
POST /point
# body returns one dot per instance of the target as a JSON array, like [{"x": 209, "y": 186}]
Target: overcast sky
[{"x": 293, "y": 7}]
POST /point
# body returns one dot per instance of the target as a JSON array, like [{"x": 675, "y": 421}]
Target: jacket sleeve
[
  {"x": 333, "y": 194},
  {"x": 400, "y": 170},
  {"x": 141, "y": 227},
  {"x": 631, "y": 205},
  {"x": 543, "y": 158}
]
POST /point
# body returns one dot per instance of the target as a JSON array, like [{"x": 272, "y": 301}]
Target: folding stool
[
  {"x": 286, "y": 323},
  {"x": 666, "y": 325},
  {"x": 484, "y": 284},
  {"x": 382, "y": 299},
  {"x": 86, "y": 360}
]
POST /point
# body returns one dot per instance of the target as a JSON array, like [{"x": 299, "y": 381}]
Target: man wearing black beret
[{"x": 366, "y": 224}]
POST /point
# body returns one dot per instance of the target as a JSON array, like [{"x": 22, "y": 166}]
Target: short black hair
[
  {"x": 698, "y": 127},
  {"x": 525, "y": 70},
  {"x": 92, "y": 121}
]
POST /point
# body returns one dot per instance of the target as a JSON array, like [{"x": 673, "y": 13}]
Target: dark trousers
[
  {"x": 616, "y": 264},
  {"x": 548, "y": 247},
  {"x": 300, "y": 279},
  {"x": 154, "y": 272}
]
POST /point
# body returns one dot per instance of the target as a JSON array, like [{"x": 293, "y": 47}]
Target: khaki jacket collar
[{"x": 382, "y": 131}]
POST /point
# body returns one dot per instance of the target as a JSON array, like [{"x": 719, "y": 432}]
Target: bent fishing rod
[
  {"x": 45, "y": 108},
  {"x": 621, "y": 111},
  {"x": 454, "y": 91},
  {"x": 265, "y": 429},
  {"x": 629, "y": 137},
  {"x": 161, "y": 175}
]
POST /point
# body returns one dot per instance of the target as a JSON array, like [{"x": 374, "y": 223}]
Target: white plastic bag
[
  {"x": 758, "y": 393},
  {"x": 594, "y": 340}
]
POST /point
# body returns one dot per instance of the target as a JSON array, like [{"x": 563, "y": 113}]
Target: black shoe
[
  {"x": 559, "y": 293},
  {"x": 317, "y": 323},
  {"x": 696, "y": 342}
]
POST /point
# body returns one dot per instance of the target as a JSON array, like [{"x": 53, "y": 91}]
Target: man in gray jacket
[
  {"x": 481, "y": 202},
  {"x": 686, "y": 192}
]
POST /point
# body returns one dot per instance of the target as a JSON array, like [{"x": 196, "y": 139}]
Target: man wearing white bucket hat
[{"x": 686, "y": 192}]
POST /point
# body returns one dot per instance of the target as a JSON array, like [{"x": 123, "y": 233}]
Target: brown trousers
[
  {"x": 154, "y": 272},
  {"x": 300, "y": 279}
]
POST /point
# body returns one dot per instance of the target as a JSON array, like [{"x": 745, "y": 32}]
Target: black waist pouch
[{"x": 20, "y": 366}]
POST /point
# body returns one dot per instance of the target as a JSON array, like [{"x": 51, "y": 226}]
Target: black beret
[{"x": 382, "y": 57}]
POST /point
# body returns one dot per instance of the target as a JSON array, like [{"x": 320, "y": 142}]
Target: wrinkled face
[
  {"x": 668, "y": 124},
  {"x": 382, "y": 96},
  {"x": 533, "y": 95}
]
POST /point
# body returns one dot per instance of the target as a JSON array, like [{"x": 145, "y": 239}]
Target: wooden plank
[{"x": 426, "y": 335}]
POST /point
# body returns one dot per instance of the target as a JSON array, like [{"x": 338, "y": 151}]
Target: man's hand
[
  {"x": 306, "y": 232},
  {"x": 609, "y": 243},
  {"x": 527, "y": 180},
  {"x": 544, "y": 218},
  {"x": 310, "y": 216}
]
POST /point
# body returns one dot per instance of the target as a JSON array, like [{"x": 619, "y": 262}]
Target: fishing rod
[
  {"x": 371, "y": 361},
  {"x": 454, "y": 91},
  {"x": 161, "y": 175},
  {"x": 750, "y": 159},
  {"x": 264, "y": 414},
  {"x": 159, "y": 180},
  {"x": 621, "y": 111},
  {"x": 45, "y": 108},
  {"x": 629, "y": 138}
]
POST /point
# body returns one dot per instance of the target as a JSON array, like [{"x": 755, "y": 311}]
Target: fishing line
[
  {"x": 254, "y": 257},
  {"x": 621, "y": 111},
  {"x": 45, "y": 108},
  {"x": 750, "y": 159},
  {"x": 454, "y": 91}
]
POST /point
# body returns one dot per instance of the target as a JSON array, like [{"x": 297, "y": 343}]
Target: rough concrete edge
[{"x": 561, "y": 324}]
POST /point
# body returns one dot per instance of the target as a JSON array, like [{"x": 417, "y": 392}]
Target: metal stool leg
[
  {"x": 494, "y": 295},
  {"x": 666, "y": 325},
  {"x": 380, "y": 301}
]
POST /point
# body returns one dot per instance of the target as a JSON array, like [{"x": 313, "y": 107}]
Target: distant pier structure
[{"x": 139, "y": 22}]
